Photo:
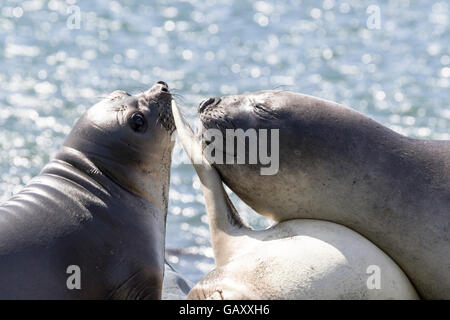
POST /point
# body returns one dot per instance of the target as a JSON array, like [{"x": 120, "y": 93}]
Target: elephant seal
[
  {"x": 295, "y": 259},
  {"x": 338, "y": 165},
  {"x": 91, "y": 225}
]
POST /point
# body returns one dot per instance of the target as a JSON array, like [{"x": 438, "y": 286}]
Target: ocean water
[{"x": 387, "y": 59}]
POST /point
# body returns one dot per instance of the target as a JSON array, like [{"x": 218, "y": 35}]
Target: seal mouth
[
  {"x": 216, "y": 119},
  {"x": 159, "y": 98},
  {"x": 165, "y": 116},
  {"x": 212, "y": 116}
]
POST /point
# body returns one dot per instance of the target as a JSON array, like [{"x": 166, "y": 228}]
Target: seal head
[{"x": 129, "y": 138}]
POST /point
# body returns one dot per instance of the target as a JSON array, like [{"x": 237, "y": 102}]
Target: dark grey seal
[{"x": 98, "y": 207}]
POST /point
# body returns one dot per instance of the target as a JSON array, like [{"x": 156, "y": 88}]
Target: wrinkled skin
[
  {"x": 340, "y": 166},
  {"x": 100, "y": 204}
]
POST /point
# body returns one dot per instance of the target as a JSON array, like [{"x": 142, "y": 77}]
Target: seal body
[
  {"x": 295, "y": 259},
  {"x": 338, "y": 165},
  {"x": 305, "y": 259},
  {"x": 99, "y": 206}
]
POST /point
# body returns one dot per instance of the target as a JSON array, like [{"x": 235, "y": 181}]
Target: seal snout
[
  {"x": 159, "y": 88},
  {"x": 163, "y": 85},
  {"x": 208, "y": 102},
  {"x": 160, "y": 98}
]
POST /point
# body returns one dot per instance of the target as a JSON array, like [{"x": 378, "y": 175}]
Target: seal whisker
[{"x": 178, "y": 98}]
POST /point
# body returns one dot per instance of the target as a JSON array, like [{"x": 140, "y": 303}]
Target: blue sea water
[{"x": 53, "y": 66}]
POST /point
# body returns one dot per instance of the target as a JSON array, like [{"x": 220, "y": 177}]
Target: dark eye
[
  {"x": 259, "y": 107},
  {"x": 137, "y": 122},
  {"x": 264, "y": 112}
]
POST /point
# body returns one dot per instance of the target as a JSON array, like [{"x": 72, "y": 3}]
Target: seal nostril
[
  {"x": 163, "y": 84},
  {"x": 206, "y": 103}
]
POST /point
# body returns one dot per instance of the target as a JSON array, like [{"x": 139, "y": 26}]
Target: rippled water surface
[{"x": 50, "y": 73}]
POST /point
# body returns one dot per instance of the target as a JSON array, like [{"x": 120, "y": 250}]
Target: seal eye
[
  {"x": 264, "y": 112},
  {"x": 137, "y": 122}
]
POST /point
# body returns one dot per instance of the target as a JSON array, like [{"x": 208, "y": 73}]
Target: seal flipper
[{"x": 226, "y": 226}]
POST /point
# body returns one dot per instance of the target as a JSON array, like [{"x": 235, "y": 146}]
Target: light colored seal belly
[{"x": 305, "y": 259}]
